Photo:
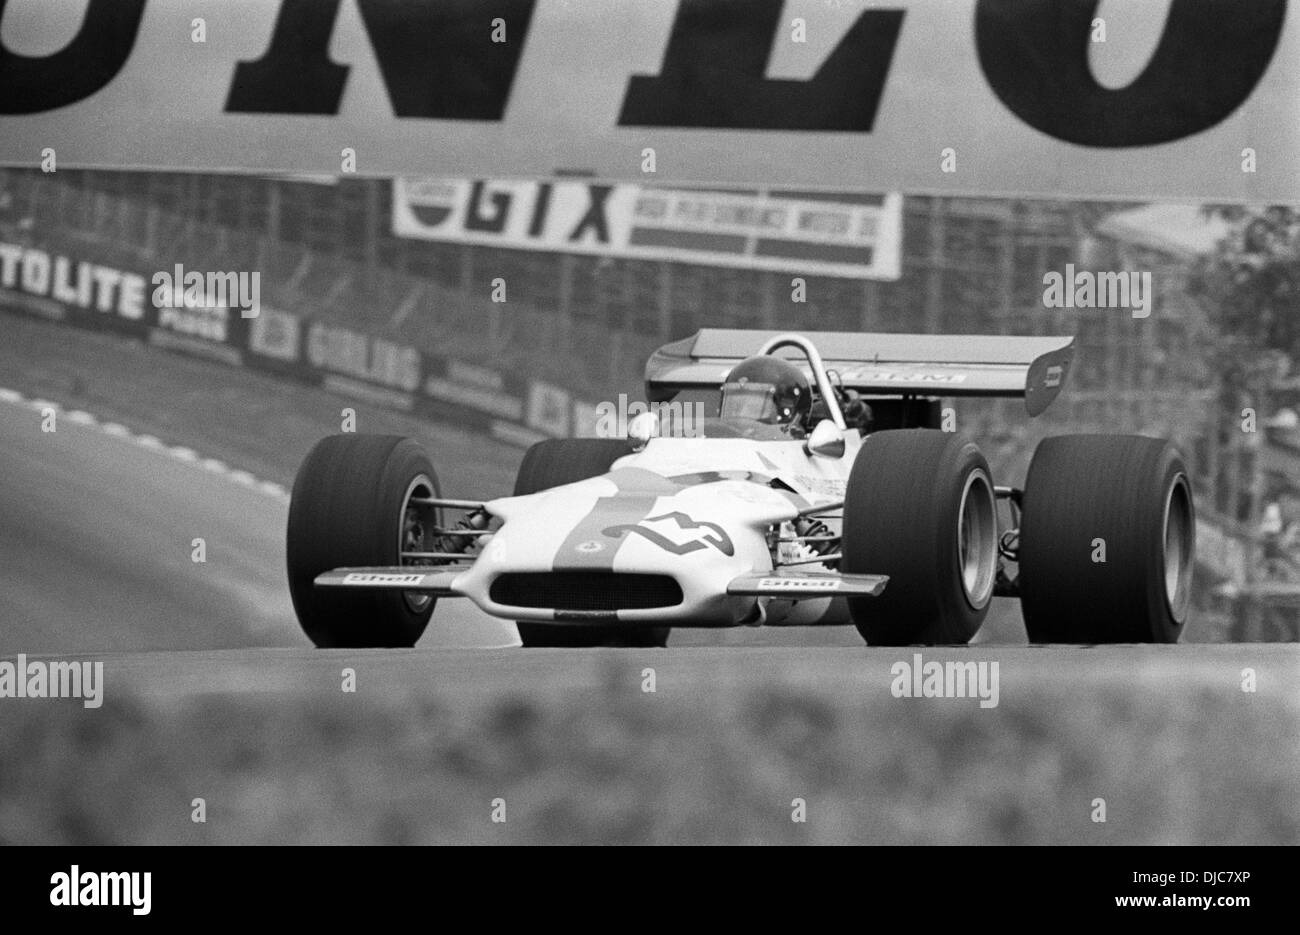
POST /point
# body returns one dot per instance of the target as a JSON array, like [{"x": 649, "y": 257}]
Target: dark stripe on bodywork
[{"x": 636, "y": 494}]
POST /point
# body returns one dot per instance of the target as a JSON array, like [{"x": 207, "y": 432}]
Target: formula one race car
[{"x": 819, "y": 493}]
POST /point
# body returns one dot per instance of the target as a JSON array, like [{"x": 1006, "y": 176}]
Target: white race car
[{"x": 821, "y": 492}]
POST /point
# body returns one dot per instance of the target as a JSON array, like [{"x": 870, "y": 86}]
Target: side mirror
[
  {"x": 642, "y": 428},
  {"x": 825, "y": 441}
]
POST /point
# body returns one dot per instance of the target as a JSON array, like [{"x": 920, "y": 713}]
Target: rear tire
[
  {"x": 348, "y": 509},
  {"x": 920, "y": 508},
  {"x": 1132, "y": 493},
  {"x": 559, "y": 461}
]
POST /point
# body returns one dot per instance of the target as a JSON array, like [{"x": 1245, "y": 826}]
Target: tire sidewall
[
  {"x": 346, "y": 511},
  {"x": 1166, "y": 627},
  {"x": 1082, "y": 488},
  {"x": 901, "y": 515}
]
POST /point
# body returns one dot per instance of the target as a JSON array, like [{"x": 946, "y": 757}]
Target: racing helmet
[{"x": 766, "y": 389}]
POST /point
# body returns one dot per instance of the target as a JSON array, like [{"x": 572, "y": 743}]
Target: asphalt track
[{"x": 95, "y": 543}]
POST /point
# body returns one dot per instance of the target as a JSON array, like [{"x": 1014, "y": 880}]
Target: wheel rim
[
  {"x": 411, "y": 534},
  {"x": 1177, "y": 547},
  {"x": 977, "y": 539}
]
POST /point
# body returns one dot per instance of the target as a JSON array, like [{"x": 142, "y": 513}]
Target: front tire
[
  {"x": 350, "y": 508},
  {"x": 559, "y": 461},
  {"x": 920, "y": 508},
  {"x": 1107, "y": 541}
]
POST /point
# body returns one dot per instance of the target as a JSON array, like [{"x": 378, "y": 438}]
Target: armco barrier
[{"x": 64, "y": 286}]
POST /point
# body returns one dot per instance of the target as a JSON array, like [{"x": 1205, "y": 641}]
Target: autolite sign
[
  {"x": 73, "y": 283},
  {"x": 803, "y": 232},
  {"x": 987, "y": 97}
]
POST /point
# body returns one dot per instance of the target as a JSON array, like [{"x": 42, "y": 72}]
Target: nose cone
[
  {"x": 664, "y": 536},
  {"x": 633, "y": 521},
  {"x": 649, "y": 523}
]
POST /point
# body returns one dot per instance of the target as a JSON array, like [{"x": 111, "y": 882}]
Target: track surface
[{"x": 95, "y": 542}]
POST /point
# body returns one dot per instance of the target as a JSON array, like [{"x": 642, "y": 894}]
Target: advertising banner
[
  {"x": 1194, "y": 99},
  {"x": 788, "y": 231}
]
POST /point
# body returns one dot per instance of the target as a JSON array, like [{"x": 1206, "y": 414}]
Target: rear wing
[{"x": 880, "y": 364}]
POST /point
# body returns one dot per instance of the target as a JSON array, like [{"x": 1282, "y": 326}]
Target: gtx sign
[
  {"x": 833, "y": 235},
  {"x": 1190, "y": 98}
]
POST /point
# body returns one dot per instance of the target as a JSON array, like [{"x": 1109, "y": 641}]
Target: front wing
[{"x": 778, "y": 584}]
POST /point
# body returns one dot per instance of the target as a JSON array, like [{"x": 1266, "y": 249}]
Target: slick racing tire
[
  {"x": 1107, "y": 541},
  {"x": 552, "y": 463},
  {"x": 350, "y": 508},
  {"x": 920, "y": 508}
]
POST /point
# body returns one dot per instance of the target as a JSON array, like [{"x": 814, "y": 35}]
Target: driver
[{"x": 769, "y": 390}]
